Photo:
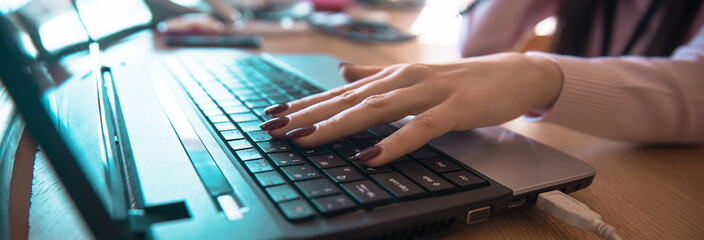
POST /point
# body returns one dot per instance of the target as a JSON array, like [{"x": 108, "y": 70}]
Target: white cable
[{"x": 575, "y": 213}]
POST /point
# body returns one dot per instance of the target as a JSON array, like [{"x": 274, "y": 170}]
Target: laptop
[{"x": 167, "y": 145}]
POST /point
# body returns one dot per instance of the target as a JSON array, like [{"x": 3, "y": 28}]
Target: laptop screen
[{"x": 46, "y": 42}]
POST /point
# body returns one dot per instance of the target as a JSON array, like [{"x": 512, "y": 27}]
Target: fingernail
[
  {"x": 342, "y": 64},
  {"x": 276, "y": 108},
  {"x": 274, "y": 123},
  {"x": 301, "y": 132},
  {"x": 368, "y": 153}
]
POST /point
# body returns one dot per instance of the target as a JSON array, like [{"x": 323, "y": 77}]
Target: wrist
[{"x": 547, "y": 81}]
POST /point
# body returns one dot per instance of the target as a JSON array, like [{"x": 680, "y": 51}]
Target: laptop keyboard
[{"x": 307, "y": 182}]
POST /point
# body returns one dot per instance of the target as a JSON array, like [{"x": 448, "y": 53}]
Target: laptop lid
[{"x": 40, "y": 43}]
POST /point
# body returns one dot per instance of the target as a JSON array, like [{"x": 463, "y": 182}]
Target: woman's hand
[{"x": 461, "y": 95}]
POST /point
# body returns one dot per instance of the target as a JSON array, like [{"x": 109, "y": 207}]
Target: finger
[
  {"x": 374, "y": 110},
  {"x": 320, "y": 111},
  {"x": 419, "y": 131},
  {"x": 351, "y": 72},
  {"x": 326, "y": 109},
  {"x": 284, "y": 109}
]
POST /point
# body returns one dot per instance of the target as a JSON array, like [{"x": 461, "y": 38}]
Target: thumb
[{"x": 352, "y": 72}]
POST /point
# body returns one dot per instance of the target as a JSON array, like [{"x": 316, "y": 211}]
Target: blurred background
[{"x": 388, "y": 26}]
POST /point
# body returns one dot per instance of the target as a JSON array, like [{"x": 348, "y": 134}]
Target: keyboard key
[
  {"x": 367, "y": 193},
  {"x": 282, "y": 193},
  {"x": 383, "y": 130},
  {"x": 347, "y": 150},
  {"x": 269, "y": 178},
  {"x": 286, "y": 159},
  {"x": 218, "y": 118},
  {"x": 274, "y": 146},
  {"x": 343, "y": 174},
  {"x": 312, "y": 89},
  {"x": 222, "y": 95},
  {"x": 423, "y": 153},
  {"x": 239, "y": 144},
  {"x": 365, "y": 143},
  {"x": 297, "y": 210},
  {"x": 466, "y": 180},
  {"x": 243, "y": 117},
  {"x": 315, "y": 150},
  {"x": 428, "y": 180},
  {"x": 198, "y": 99},
  {"x": 440, "y": 165},
  {"x": 403, "y": 159},
  {"x": 363, "y": 135},
  {"x": 317, "y": 188},
  {"x": 259, "y": 111},
  {"x": 257, "y": 103},
  {"x": 242, "y": 91},
  {"x": 235, "y": 109},
  {"x": 259, "y": 136},
  {"x": 342, "y": 143},
  {"x": 207, "y": 105},
  {"x": 212, "y": 112},
  {"x": 327, "y": 160},
  {"x": 248, "y": 154},
  {"x": 250, "y": 126},
  {"x": 280, "y": 98},
  {"x": 231, "y": 134},
  {"x": 257, "y": 166},
  {"x": 250, "y": 97},
  {"x": 399, "y": 186},
  {"x": 370, "y": 170},
  {"x": 229, "y": 103},
  {"x": 300, "y": 172},
  {"x": 225, "y": 126},
  {"x": 334, "y": 204}
]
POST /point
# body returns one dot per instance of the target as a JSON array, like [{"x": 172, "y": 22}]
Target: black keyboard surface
[{"x": 307, "y": 182}]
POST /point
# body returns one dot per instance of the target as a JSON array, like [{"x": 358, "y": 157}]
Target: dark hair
[{"x": 576, "y": 19}]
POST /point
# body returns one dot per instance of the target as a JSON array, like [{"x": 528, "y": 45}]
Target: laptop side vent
[{"x": 418, "y": 231}]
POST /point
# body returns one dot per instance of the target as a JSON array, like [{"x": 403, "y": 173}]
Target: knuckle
[
  {"x": 348, "y": 97},
  {"x": 416, "y": 69},
  {"x": 395, "y": 67},
  {"x": 337, "y": 91},
  {"x": 425, "y": 121},
  {"x": 375, "y": 101}
]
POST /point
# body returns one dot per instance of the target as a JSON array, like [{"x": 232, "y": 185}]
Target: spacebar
[{"x": 203, "y": 162}]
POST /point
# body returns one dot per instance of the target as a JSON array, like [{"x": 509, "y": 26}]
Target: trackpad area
[{"x": 320, "y": 70}]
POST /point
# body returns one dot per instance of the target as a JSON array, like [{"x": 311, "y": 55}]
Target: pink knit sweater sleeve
[{"x": 636, "y": 99}]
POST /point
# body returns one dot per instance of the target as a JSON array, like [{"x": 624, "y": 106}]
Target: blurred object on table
[
  {"x": 331, "y": 5},
  {"x": 394, "y": 3},
  {"x": 191, "y": 24},
  {"x": 341, "y": 24}
]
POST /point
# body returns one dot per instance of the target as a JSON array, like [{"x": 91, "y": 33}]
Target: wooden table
[{"x": 653, "y": 192}]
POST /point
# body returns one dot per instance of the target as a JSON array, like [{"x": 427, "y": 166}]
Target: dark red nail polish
[
  {"x": 277, "y": 108},
  {"x": 301, "y": 132},
  {"x": 342, "y": 64},
  {"x": 274, "y": 123},
  {"x": 368, "y": 153}
]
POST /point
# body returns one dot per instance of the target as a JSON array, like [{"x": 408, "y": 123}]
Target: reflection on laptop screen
[
  {"x": 103, "y": 18},
  {"x": 57, "y": 29},
  {"x": 52, "y": 37}
]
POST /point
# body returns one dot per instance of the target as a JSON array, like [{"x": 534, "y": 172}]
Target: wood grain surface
[{"x": 646, "y": 192}]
